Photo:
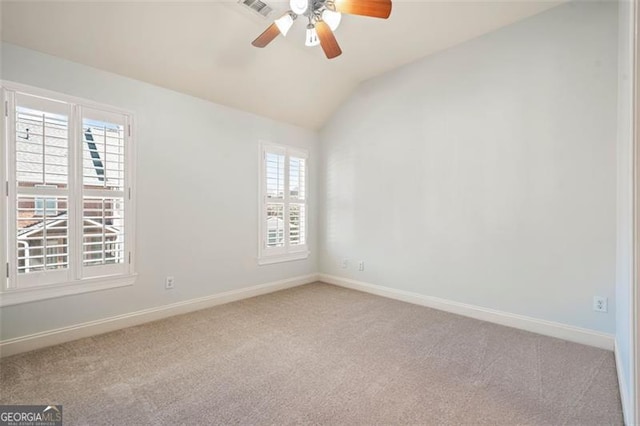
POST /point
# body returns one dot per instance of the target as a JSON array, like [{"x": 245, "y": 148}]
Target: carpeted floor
[{"x": 319, "y": 354}]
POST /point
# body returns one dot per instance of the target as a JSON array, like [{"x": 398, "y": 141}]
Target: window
[
  {"x": 283, "y": 206},
  {"x": 69, "y": 184},
  {"x": 46, "y": 206}
]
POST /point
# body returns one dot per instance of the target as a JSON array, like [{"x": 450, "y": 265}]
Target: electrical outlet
[
  {"x": 344, "y": 264},
  {"x": 599, "y": 304},
  {"x": 361, "y": 265},
  {"x": 169, "y": 283}
]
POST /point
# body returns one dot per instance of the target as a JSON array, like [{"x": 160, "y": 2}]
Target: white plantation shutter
[
  {"x": 283, "y": 209},
  {"x": 297, "y": 201},
  {"x": 103, "y": 193},
  {"x": 68, "y": 175},
  {"x": 102, "y": 231},
  {"x": 275, "y": 186},
  {"x": 40, "y": 177},
  {"x": 274, "y": 167}
]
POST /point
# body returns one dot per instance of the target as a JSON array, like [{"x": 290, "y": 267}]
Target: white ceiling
[{"x": 203, "y": 48}]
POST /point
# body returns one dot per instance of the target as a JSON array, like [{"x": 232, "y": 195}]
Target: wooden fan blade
[
  {"x": 327, "y": 40},
  {"x": 267, "y": 36},
  {"x": 372, "y": 8}
]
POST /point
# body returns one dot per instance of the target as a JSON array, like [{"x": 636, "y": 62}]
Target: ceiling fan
[{"x": 324, "y": 17}]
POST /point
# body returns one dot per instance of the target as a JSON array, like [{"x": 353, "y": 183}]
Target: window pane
[
  {"x": 297, "y": 172},
  {"x": 297, "y": 221},
  {"x": 275, "y": 225},
  {"x": 50, "y": 204},
  {"x": 42, "y": 148},
  {"x": 42, "y": 240},
  {"x": 102, "y": 155},
  {"x": 275, "y": 175},
  {"x": 102, "y": 231}
]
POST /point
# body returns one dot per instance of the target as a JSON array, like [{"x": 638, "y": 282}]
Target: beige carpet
[{"x": 323, "y": 355}]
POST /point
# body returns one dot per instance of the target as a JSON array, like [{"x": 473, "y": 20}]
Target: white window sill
[
  {"x": 270, "y": 260},
  {"x": 25, "y": 295}
]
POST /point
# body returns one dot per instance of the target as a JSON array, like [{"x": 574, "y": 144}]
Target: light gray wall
[
  {"x": 485, "y": 174},
  {"x": 624, "y": 250},
  {"x": 197, "y": 189}
]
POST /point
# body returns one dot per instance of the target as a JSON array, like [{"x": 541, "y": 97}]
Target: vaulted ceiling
[{"x": 203, "y": 48}]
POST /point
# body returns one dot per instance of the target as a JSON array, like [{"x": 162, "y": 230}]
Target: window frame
[
  {"x": 76, "y": 280},
  {"x": 266, "y": 255}
]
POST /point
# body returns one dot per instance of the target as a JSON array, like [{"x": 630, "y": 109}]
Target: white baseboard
[
  {"x": 53, "y": 337},
  {"x": 627, "y": 409},
  {"x": 547, "y": 328},
  {"x": 65, "y": 334}
]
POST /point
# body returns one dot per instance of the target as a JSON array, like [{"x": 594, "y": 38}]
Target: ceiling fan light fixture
[
  {"x": 312, "y": 37},
  {"x": 284, "y": 23},
  {"x": 299, "y": 7},
  {"x": 324, "y": 18},
  {"x": 331, "y": 18}
]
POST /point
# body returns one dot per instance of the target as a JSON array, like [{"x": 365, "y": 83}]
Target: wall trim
[
  {"x": 622, "y": 384},
  {"x": 66, "y": 334},
  {"x": 547, "y": 328},
  {"x": 633, "y": 408},
  {"x": 52, "y": 291}
]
